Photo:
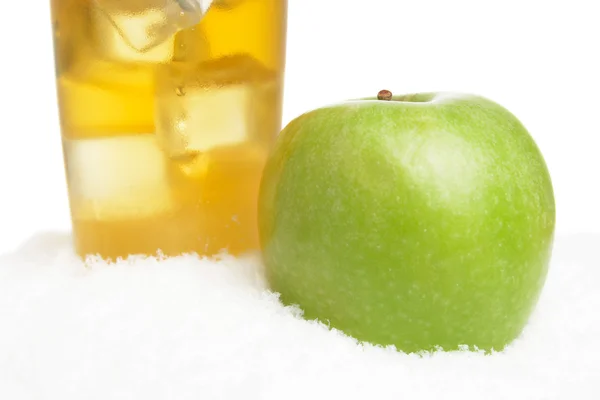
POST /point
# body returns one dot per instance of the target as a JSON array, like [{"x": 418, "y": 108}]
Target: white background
[{"x": 537, "y": 58}]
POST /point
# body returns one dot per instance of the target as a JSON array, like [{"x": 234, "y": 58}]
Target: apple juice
[{"x": 167, "y": 112}]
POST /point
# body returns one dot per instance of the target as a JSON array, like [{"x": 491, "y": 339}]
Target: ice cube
[
  {"x": 216, "y": 103},
  {"x": 91, "y": 56},
  {"x": 117, "y": 177},
  {"x": 142, "y": 30}
]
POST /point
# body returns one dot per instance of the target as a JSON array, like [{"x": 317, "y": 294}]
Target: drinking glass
[{"x": 168, "y": 109}]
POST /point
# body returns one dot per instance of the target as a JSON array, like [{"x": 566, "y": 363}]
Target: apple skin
[{"x": 425, "y": 222}]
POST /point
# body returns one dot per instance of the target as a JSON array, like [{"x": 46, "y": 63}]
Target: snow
[{"x": 191, "y": 328}]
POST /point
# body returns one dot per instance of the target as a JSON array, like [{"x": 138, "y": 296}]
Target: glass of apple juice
[{"x": 168, "y": 109}]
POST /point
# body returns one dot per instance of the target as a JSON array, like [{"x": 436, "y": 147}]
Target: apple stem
[{"x": 384, "y": 95}]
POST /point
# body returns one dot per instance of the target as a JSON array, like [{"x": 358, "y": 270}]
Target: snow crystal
[{"x": 192, "y": 328}]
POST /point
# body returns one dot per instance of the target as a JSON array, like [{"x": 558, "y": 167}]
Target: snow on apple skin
[{"x": 421, "y": 226}]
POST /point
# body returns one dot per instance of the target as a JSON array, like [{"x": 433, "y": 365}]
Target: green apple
[{"x": 423, "y": 221}]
